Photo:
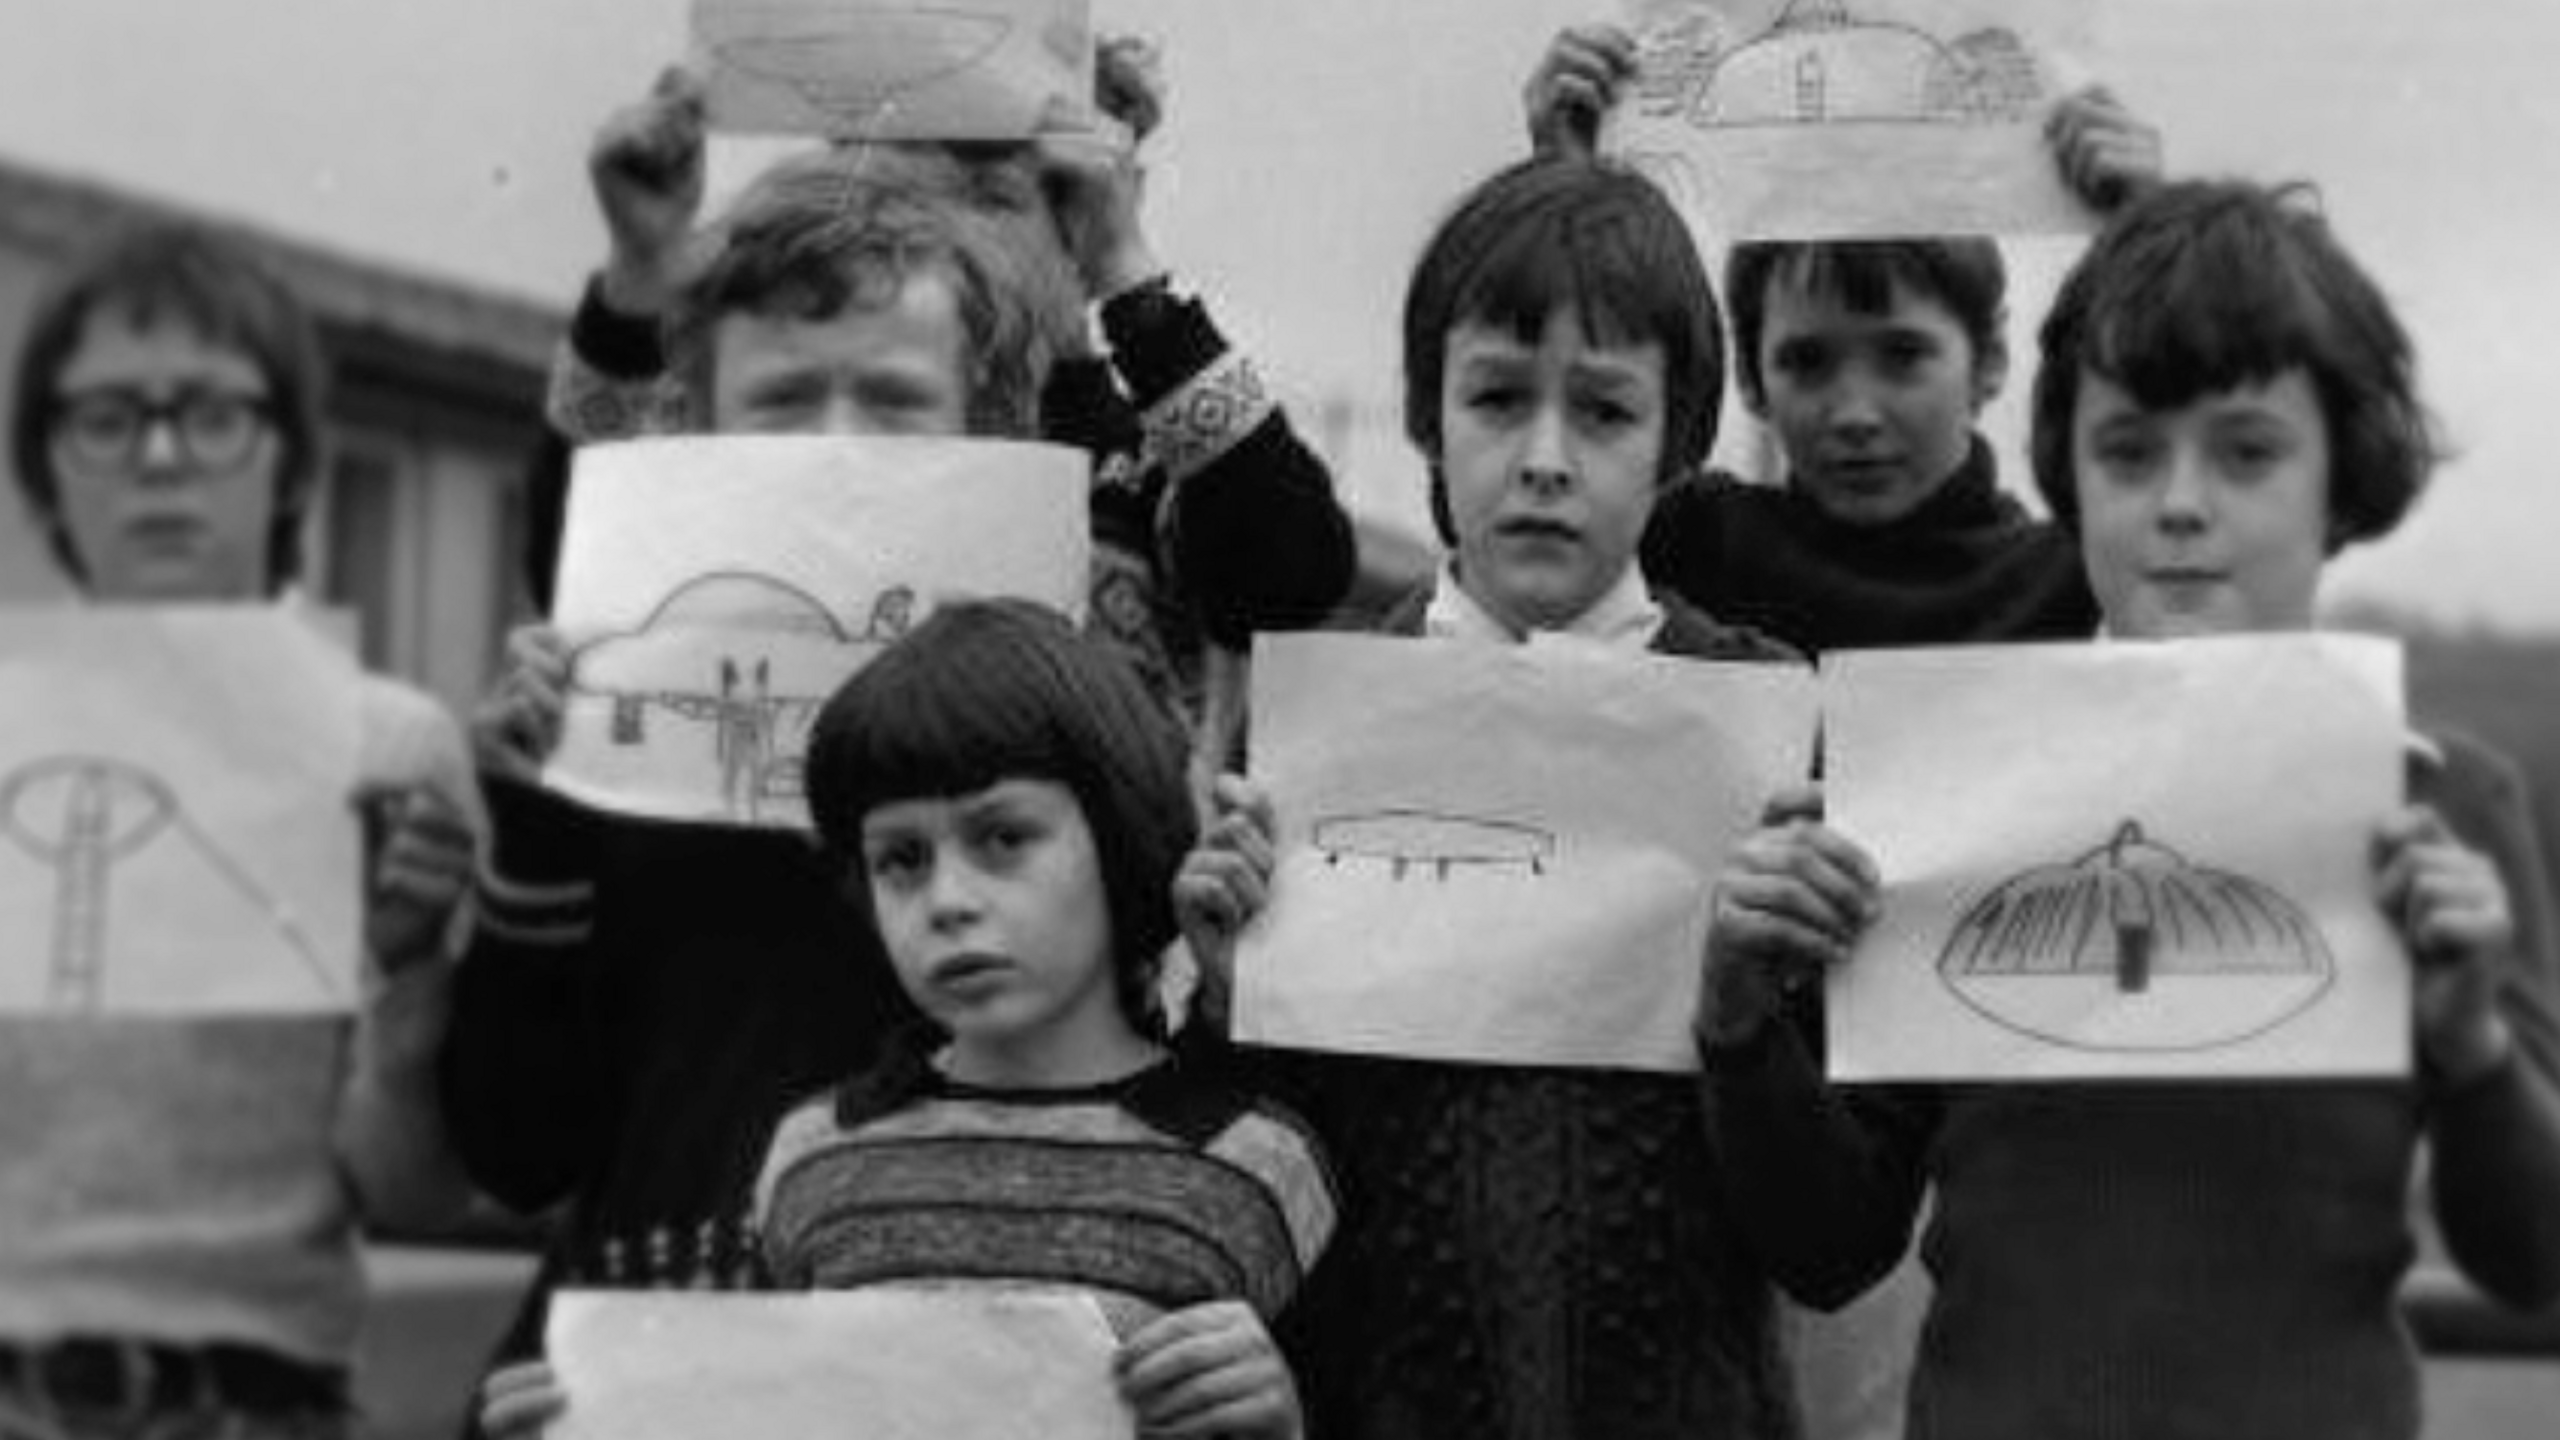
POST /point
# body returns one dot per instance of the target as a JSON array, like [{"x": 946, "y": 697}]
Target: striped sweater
[{"x": 1167, "y": 1189}]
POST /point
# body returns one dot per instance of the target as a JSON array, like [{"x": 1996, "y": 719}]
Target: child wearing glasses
[{"x": 178, "y": 1208}]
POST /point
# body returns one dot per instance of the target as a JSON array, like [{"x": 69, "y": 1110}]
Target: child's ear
[{"x": 1990, "y": 371}]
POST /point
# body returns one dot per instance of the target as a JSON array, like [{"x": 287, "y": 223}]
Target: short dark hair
[
  {"x": 1554, "y": 231},
  {"x": 1962, "y": 272},
  {"x": 171, "y": 272},
  {"x": 850, "y": 226},
  {"x": 2205, "y": 285},
  {"x": 989, "y": 690}
]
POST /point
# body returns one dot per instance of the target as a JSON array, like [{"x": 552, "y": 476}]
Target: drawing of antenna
[
  {"x": 83, "y": 815},
  {"x": 852, "y": 64}
]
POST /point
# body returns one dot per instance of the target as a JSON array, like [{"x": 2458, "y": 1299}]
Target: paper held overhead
[
  {"x": 1846, "y": 119},
  {"x": 893, "y": 69}
]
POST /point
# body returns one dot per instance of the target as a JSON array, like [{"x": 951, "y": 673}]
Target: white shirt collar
[{"x": 1625, "y": 617}]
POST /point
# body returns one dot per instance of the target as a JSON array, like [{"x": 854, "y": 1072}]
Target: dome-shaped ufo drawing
[
  {"x": 1829, "y": 62},
  {"x": 746, "y": 655},
  {"x": 2085, "y": 953}
]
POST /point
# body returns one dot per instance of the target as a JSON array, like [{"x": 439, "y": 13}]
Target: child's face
[
  {"x": 2207, "y": 519},
  {"x": 1875, "y": 412},
  {"x": 992, "y": 907},
  {"x": 898, "y": 368},
  {"x": 166, "y": 462},
  {"x": 1550, "y": 453}
]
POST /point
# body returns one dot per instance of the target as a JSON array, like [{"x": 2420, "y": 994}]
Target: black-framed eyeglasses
[{"x": 105, "y": 431}]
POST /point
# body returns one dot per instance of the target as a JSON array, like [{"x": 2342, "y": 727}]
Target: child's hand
[
  {"x": 1128, "y": 82},
  {"x": 647, "y": 170},
  {"x": 516, "y": 1401},
  {"x": 422, "y": 868},
  {"x": 1578, "y": 81},
  {"x": 1226, "y": 879},
  {"x": 518, "y": 725},
  {"x": 2451, "y": 907},
  {"x": 1210, "y": 1370},
  {"x": 2109, "y": 155},
  {"x": 1792, "y": 901},
  {"x": 1090, "y": 174}
]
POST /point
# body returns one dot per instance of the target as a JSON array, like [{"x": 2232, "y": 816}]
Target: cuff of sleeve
[
  {"x": 1748, "y": 1056},
  {"x": 623, "y": 347},
  {"x": 1207, "y": 416},
  {"x": 538, "y": 883},
  {"x": 1158, "y": 338}
]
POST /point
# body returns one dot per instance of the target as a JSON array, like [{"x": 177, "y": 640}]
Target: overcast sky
[{"x": 1312, "y": 143}]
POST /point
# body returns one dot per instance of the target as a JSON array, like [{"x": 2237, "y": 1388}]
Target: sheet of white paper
[
  {"x": 893, "y": 69},
  {"x": 1498, "y": 853},
  {"x": 176, "y": 827},
  {"x": 717, "y": 590},
  {"x": 885, "y": 1363},
  {"x": 2119, "y": 860},
  {"x": 1820, "y": 119}
]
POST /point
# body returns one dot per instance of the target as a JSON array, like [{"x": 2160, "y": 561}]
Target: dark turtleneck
[{"x": 1968, "y": 565}]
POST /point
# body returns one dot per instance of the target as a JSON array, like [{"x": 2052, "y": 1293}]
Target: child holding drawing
[
  {"x": 1210, "y": 519},
  {"x": 1870, "y": 362},
  {"x": 2225, "y": 400},
  {"x": 1006, "y": 807},
  {"x": 1562, "y": 359},
  {"x": 179, "y": 1203},
  {"x": 642, "y": 1000}
]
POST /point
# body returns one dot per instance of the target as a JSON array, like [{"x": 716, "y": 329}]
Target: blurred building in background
[{"x": 434, "y": 414}]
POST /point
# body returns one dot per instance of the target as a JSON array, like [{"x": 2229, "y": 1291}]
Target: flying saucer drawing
[
  {"x": 2132, "y": 947},
  {"x": 1828, "y": 62},
  {"x": 851, "y": 62},
  {"x": 747, "y": 656},
  {"x": 1435, "y": 842},
  {"x": 86, "y": 817}
]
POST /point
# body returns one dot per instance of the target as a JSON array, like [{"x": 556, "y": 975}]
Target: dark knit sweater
[
  {"x": 1968, "y": 564},
  {"x": 2167, "y": 1260},
  {"x": 1169, "y": 1189},
  {"x": 1535, "y": 1254},
  {"x": 642, "y": 1002}
]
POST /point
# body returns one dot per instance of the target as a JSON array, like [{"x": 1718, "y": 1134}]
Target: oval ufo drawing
[
  {"x": 845, "y": 61},
  {"x": 1406, "y": 839},
  {"x": 2132, "y": 947}
]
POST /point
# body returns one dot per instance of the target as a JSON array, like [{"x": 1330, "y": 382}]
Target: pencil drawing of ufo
[
  {"x": 844, "y": 59},
  {"x": 1437, "y": 841},
  {"x": 1824, "y": 63},
  {"x": 750, "y": 656},
  {"x": 107, "y": 827},
  {"x": 2082, "y": 953}
]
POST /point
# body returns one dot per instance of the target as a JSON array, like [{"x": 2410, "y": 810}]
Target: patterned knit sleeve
[
  {"x": 1278, "y": 1150},
  {"x": 2496, "y": 1141},
  {"x": 802, "y": 1133},
  {"x": 1254, "y": 532}
]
